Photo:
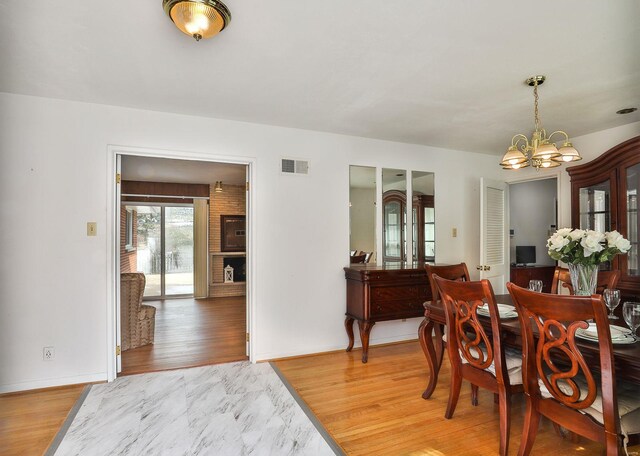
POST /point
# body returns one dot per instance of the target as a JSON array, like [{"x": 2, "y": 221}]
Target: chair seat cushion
[
  {"x": 513, "y": 359},
  {"x": 628, "y": 403}
]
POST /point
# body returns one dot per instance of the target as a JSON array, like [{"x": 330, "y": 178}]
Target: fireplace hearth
[{"x": 239, "y": 265}]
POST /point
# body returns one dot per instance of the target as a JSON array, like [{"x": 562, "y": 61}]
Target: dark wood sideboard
[
  {"x": 521, "y": 276},
  {"x": 383, "y": 292}
]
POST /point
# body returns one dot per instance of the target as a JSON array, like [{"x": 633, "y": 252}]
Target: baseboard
[
  {"x": 53, "y": 382},
  {"x": 333, "y": 348}
]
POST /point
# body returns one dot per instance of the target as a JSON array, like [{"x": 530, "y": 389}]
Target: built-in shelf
[{"x": 228, "y": 254}]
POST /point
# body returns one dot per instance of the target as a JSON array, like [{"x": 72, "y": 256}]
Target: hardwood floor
[
  {"x": 377, "y": 408},
  {"x": 29, "y": 421},
  {"x": 192, "y": 332},
  {"x": 369, "y": 409}
]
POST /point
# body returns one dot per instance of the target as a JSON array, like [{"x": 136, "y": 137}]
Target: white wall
[
  {"x": 53, "y": 179},
  {"x": 532, "y": 210}
]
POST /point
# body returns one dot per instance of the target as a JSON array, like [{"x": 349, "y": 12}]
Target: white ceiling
[
  {"x": 441, "y": 73},
  {"x": 181, "y": 171}
]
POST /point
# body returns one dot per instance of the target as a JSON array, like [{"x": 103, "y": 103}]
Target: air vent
[{"x": 291, "y": 166}]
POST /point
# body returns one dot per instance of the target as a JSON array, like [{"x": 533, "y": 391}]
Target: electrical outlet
[
  {"x": 48, "y": 353},
  {"x": 454, "y": 232}
]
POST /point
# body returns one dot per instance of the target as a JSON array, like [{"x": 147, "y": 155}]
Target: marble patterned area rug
[{"x": 225, "y": 409}]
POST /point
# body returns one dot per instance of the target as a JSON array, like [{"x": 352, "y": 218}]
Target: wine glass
[
  {"x": 611, "y": 299},
  {"x": 535, "y": 285},
  {"x": 631, "y": 314}
]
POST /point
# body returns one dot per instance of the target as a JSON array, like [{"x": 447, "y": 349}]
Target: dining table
[{"x": 626, "y": 357}]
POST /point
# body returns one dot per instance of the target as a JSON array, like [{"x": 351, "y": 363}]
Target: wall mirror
[
  {"x": 362, "y": 213},
  {"x": 423, "y": 217},
  {"x": 394, "y": 215}
]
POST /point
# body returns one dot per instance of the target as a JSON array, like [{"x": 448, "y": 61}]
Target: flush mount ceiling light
[
  {"x": 539, "y": 151},
  {"x": 198, "y": 18}
]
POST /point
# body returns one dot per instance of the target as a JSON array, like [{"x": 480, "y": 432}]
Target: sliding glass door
[
  {"x": 164, "y": 248},
  {"x": 178, "y": 253}
]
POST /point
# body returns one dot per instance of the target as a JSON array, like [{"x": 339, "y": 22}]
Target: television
[{"x": 525, "y": 254}]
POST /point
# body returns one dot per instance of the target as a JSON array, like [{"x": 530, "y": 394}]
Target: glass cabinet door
[
  {"x": 414, "y": 224},
  {"x": 631, "y": 202},
  {"x": 429, "y": 234},
  {"x": 595, "y": 207},
  {"x": 393, "y": 230}
]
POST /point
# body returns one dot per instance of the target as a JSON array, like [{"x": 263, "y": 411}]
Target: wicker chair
[{"x": 137, "y": 321}]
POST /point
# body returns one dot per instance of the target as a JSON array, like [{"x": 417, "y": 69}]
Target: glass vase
[{"x": 584, "y": 278}]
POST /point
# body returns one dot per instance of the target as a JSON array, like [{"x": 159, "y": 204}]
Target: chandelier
[
  {"x": 539, "y": 151},
  {"x": 198, "y": 18}
]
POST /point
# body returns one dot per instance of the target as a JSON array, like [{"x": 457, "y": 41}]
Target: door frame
[{"x": 113, "y": 237}]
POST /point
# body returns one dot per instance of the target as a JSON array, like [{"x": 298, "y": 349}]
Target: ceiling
[
  {"x": 148, "y": 169},
  {"x": 446, "y": 74}
]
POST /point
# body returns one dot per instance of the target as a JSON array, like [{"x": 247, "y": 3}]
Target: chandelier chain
[{"x": 535, "y": 110}]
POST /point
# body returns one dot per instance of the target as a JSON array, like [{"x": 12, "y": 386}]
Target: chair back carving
[
  {"x": 552, "y": 356},
  {"x": 457, "y": 272},
  {"x": 554, "y": 338},
  {"x": 466, "y": 337}
]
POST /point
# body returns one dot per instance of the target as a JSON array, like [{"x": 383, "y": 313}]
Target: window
[{"x": 128, "y": 230}]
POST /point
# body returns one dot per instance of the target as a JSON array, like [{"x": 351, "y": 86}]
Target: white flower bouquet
[{"x": 586, "y": 247}]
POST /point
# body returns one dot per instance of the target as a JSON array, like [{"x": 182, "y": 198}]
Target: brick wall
[
  {"x": 128, "y": 259},
  {"x": 231, "y": 201}
]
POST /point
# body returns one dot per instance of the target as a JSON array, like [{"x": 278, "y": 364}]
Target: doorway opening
[
  {"x": 192, "y": 307},
  {"x": 533, "y": 217}
]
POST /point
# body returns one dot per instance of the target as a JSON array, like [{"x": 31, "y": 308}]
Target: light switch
[
  {"x": 92, "y": 228},
  {"x": 454, "y": 232}
]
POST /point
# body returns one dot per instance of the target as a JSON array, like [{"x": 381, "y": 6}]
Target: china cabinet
[
  {"x": 604, "y": 197},
  {"x": 395, "y": 226}
]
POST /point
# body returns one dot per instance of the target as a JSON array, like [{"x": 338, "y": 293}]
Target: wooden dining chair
[
  {"x": 562, "y": 278},
  {"x": 358, "y": 258},
  {"x": 559, "y": 382},
  {"x": 457, "y": 272},
  {"x": 474, "y": 354},
  {"x": 607, "y": 279}
]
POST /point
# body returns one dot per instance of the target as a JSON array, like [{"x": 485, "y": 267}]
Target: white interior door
[
  {"x": 118, "y": 217},
  {"x": 494, "y": 233},
  {"x": 247, "y": 251}
]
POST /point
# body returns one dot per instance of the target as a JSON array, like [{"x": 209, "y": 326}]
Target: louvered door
[{"x": 494, "y": 233}]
